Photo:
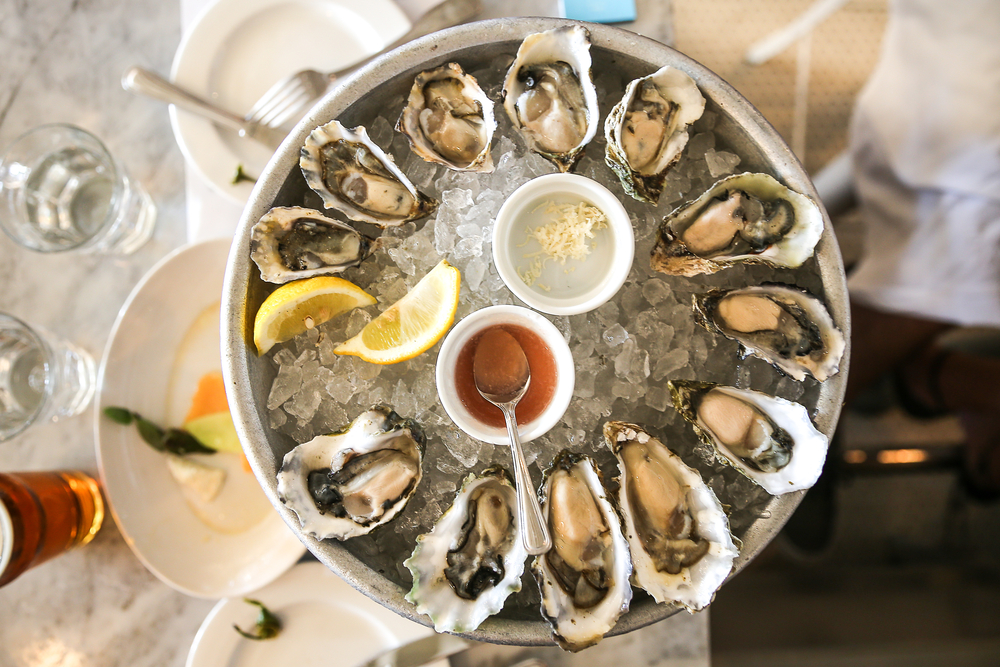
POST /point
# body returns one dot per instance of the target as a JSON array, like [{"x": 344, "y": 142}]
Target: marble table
[{"x": 62, "y": 62}]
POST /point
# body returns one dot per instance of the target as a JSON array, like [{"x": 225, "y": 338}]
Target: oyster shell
[
  {"x": 449, "y": 120},
  {"x": 354, "y": 176},
  {"x": 783, "y": 325},
  {"x": 647, "y": 130},
  {"x": 742, "y": 218},
  {"x": 549, "y": 94},
  {"x": 583, "y": 578},
  {"x": 678, "y": 534},
  {"x": 472, "y": 560},
  {"x": 289, "y": 243},
  {"x": 346, "y": 484},
  {"x": 770, "y": 440}
]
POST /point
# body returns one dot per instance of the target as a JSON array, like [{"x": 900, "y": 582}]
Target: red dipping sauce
[{"x": 541, "y": 362}]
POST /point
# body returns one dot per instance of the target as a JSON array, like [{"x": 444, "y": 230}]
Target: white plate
[
  {"x": 165, "y": 337},
  {"x": 324, "y": 622},
  {"x": 237, "y": 49}
]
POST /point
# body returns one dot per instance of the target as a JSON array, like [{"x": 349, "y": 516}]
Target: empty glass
[
  {"x": 60, "y": 189},
  {"x": 42, "y": 377}
]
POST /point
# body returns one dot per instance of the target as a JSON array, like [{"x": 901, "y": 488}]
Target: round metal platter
[{"x": 380, "y": 88}]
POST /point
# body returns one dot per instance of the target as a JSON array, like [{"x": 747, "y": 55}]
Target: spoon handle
[{"x": 534, "y": 532}]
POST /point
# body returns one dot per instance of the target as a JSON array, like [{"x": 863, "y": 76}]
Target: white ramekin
[
  {"x": 469, "y": 327},
  {"x": 578, "y": 286}
]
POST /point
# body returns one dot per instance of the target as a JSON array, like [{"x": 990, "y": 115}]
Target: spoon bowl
[{"x": 502, "y": 375}]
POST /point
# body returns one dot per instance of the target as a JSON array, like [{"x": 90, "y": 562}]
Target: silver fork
[
  {"x": 151, "y": 84},
  {"x": 290, "y": 98}
]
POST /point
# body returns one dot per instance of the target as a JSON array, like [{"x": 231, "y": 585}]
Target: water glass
[
  {"x": 44, "y": 514},
  {"x": 60, "y": 189},
  {"x": 42, "y": 377}
]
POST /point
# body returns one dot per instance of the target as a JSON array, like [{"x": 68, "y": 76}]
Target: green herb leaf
[
  {"x": 242, "y": 176},
  {"x": 179, "y": 441},
  {"x": 172, "y": 440},
  {"x": 119, "y": 415},
  {"x": 267, "y": 627}
]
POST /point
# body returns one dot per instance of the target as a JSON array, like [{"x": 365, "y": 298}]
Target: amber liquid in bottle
[{"x": 49, "y": 513}]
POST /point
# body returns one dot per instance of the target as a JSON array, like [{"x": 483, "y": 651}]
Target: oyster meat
[
  {"x": 783, "y": 325},
  {"x": 648, "y": 129},
  {"x": 289, "y": 243},
  {"x": 678, "y": 534},
  {"x": 354, "y": 176},
  {"x": 583, "y": 578},
  {"x": 549, "y": 94},
  {"x": 742, "y": 218},
  {"x": 769, "y": 439},
  {"x": 449, "y": 120},
  {"x": 348, "y": 483},
  {"x": 473, "y": 558}
]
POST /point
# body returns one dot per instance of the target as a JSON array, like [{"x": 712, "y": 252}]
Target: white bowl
[
  {"x": 578, "y": 286},
  {"x": 469, "y": 327}
]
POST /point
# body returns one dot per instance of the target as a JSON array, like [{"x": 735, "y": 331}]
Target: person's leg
[{"x": 881, "y": 342}]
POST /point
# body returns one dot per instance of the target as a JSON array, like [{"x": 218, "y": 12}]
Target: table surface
[{"x": 63, "y": 61}]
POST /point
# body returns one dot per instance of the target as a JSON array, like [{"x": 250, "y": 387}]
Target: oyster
[
  {"x": 354, "y": 176},
  {"x": 742, "y": 218},
  {"x": 346, "y": 484},
  {"x": 678, "y": 533},
  {"x": 449, "y": 120},
  {"x": 292, "y": 243},
  {"x": 472, "y": 560},
  {"x": 770, "y": 440},
  {"x": 549, "y": 94},
  {"x": 647, "y": 130},
  {"x": 783, "y": 325},
  {"x": 583, "y": 578}
]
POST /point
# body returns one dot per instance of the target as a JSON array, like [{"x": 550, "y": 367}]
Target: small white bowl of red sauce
[
  {"x": 563, "y": 244},
  {"x": 553, "y": 374}
]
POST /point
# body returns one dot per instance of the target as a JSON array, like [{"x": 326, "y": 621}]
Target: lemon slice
[
  {"x": 411, "y": 325},
  {"x": 303, "y": 304}
]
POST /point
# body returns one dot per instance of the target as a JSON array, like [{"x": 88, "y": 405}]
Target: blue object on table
[{"x": 600, "y": 11}]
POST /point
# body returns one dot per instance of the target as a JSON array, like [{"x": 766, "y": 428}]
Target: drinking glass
[
  {"x": 43, "y": 514},
  {"x": 60, "y": 189},
  {"x": 42, "y": 377}
]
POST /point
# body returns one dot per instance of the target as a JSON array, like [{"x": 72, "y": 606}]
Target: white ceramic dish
[
  {"x": 469, "y": 327},
  {"x": 324, "y": 622},
  {"x": 166, "y": 336},
  {"x": 236, "y": 49},
  {"x": 578, "y": 286}
]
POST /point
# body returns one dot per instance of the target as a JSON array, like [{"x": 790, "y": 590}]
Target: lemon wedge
[
  {"x": 411, "y": 325},
  {"x": 303, "y": 304}
]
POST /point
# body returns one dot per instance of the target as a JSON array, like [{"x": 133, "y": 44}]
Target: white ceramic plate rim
[
  {"x": 134, "y": 476},
  {"x": 476, "y": 322},
  {"x": 199, "y": 139},
  {"x": 216, "y": 641},
  {"x": 618, "y": 222}
]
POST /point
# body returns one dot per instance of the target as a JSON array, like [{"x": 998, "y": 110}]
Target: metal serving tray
[{"x": 383, "y": 84}]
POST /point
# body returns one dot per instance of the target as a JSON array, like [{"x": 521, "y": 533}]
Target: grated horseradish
[{"x": 566, "y": 237}]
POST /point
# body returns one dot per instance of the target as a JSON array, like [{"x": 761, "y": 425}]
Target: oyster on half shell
[
  {"x": 472, "y": 560},
  {"x": 346, "y": 484},
  {"x": 549, "y": 94},
  {"x": 354, "y": 176},
  {"x": 678, "y": 534},
  {"x": 647, "y": 130},
  {"x": 584, "y": 577},
  {"x": 783, "y": 325},
  {"x": 449, "y": 119},
  {"x": 742, "y": 218},
  {"x": 768, "y": 439},
  {"x": 289, "y": 243}
]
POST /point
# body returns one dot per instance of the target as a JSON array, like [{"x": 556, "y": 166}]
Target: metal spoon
[{"x": 502, "y": 376}]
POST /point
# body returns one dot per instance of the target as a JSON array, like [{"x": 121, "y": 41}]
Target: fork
[
  {"x": 291, "y": 97},
  {"x": 144, "y": 82}
]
